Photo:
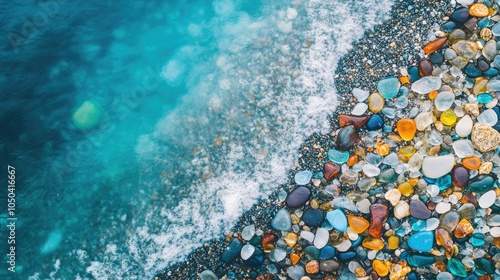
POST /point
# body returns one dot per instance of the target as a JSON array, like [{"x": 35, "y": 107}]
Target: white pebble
[
  {"x": 487, "y": 199},
  {"x": 443, "y": 207},
  {"x": 359, "y": 109}
]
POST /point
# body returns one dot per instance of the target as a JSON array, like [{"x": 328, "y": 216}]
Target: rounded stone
[
  {"x": 424, "y": 119},
  {"x": 449, "y": 220},
  {"x": 463, "y": 148},
  {"x": 482, "y": 183},
  {"x": 281, "y": 220},
  {"x": 443, "y": 207},
  {"x": 331, "y": 170},
  {"x": 401, "y": 210},
  {"x": 388, "y": 87},
  {"x": 303, "y": 177},
  {"x": 321, "y": 238},
  {"x": 329, "y": 265},
  {"x": 337, "y": 219},
  {"x": 208, "y": 275},
  {"x": 393, "y": 196},
  {"x": 358, "y": 224},
  {"x": 406, "y": 129},
  {"x": 424, "y": 67},
  {"x": 479, "y": 10},
  {"x": 359, "y": 109},
  {"x": 87, "y": 115},
  {"x": 484, "y": 137},
  {"x": 471, "y": 163},
  {"x": 426, "y": 84},
  {"x": 347, "y": 137},
  {"x": 313, "y": 217},
  {"x": 435, "y": 45},
  {"x": 435, "y": 167},
  {"x": 487, "y": 199},
  {"x": 295, "y": 272},
  {"x": 422, "y": 241},
  {"x": 448, "y": 117},
  {"x": 375, "y": 122},
  {"x": 357, "y": 121},
  {"x": 464, "y": 126},
  {"x": 419, "y": 210},
  {"x": 298, "y": 197},
  {"x": 444, "y": 100},
  {"x": 460, "y": 15},
  {"x": 376, "y": 102},
  {"x": 460, "y": 177}
]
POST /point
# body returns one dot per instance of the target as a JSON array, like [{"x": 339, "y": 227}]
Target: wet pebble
[{"x": 298, "y": 197}]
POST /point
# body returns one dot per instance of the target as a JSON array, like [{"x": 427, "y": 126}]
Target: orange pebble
[
  {"x": 406, "y": 129},
  {"x": 433, "y": 94},
  {"x": 352, "y": 160},
  {"x": 471, "y": 163},
  {"x": 404, "y": 79},
  {"x": 358, "y": 224},
  {"x": 295, "y": 258},
  {"x": 435, "y": 45}
]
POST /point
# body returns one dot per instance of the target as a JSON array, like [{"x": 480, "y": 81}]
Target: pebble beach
[{"x": 405, "y": 185}]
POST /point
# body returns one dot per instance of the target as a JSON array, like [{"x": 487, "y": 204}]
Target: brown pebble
[
  {"x": 331, "y": 170},
  {"x": 424, "y": 67},
  {"x": 379, "y": 213}
]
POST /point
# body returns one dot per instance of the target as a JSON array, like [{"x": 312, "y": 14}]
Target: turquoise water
[{"x": 204, "y": 104}]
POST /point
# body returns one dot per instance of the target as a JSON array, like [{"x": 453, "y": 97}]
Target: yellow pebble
[
  {"x": 404, "y": 79},
  {"x": 393, "y": 242},
  {"x": 380, "y": 267},
  {"x": 383, "y": 149},
  {"x": 413, "y": 182},
  {"x": 406, "y": 189},
  {"x": 407, "y": 151},
  {"x": 433, "y": 94},
  {"x": 291, "y": 239},
  {"x": 448, "y": 117}
]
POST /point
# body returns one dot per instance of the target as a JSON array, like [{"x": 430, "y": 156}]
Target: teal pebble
[
  {"x": 477, "y": 239},
  {"x": 422, "y": 241},
  {"x": 444, "y": 182},
  {"x": 456, "y": 268},
  {"x": 338, "y": 156},
  {"x": 337, "y": 219},
  {"x": 418, "y": 260},
  {"x": 484, "y": 98},
  {"x": 388, "y": 87},
  {"x": 419, "y": 225},
  {"x": 310, "y": 253}
]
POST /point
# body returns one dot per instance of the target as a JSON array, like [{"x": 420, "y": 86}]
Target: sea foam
[{"x": 237, "y": 131}]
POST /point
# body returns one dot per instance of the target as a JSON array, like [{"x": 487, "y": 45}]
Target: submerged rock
[{"x": 87, "y": 115}]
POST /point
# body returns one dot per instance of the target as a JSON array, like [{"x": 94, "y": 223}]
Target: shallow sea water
[{"x": 204, "y": 104}]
